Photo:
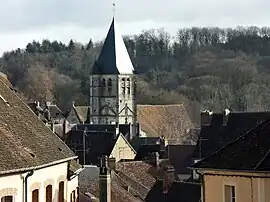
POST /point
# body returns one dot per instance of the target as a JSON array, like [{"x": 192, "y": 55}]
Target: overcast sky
[{"x": 22, "y": 21}]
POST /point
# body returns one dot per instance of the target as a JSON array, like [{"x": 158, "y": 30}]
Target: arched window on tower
[
  {"x": 128, "y": 86},
  {"x": 110, "y": 86},
  {"x": 102, "y": 85},
  {"x": 123, "y": 84}
]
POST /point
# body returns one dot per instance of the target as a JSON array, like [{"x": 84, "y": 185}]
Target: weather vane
[{"x": 113, "y": 9}]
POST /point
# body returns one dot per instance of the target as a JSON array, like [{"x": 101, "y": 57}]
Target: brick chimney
[
  {"x": 206, "y": 117},
  {"x": 104, "y": 180}
]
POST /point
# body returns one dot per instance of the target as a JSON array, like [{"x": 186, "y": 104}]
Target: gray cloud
[{"x": 33, "y": 14}]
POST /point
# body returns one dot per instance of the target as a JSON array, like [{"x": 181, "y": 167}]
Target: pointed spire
[
  {"x": 114, "y": 57},
  {"x": 113, "y": 9}
]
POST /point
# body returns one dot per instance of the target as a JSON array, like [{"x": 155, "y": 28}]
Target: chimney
[
  {"x": 168, "y": 177},
  {"x": 226, "y": 113},
  {"x": 162, "y": 143},
  {"x": 104, "y": 180},
  {"x": 206, "y": 117},
  {"x": 138, "y": 129},
  {"x": 52, "y": 127},
  {"x": 36, "y": 110},
  {"x": 48, "y": 103},
  {"x": 112, "y": 164}
]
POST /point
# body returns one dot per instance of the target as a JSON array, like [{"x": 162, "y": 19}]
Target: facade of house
[
  {"x": 122, "y": 149},
  {"x": 112, "y": 83},
  {"x": 239, "y": 171},
  {"x": 35, "y": 164}
]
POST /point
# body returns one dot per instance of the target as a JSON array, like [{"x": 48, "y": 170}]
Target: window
[
  {"x": 49, "y": 193},
  {"x": 7, "y": 199},
  {"x": 74, "y": 196},
  {"x": 229, "y": 193},
  {"x": 78, "y": 194},
  {"x": 123, "y": 86},
  {"x": 61, "y": 192},
  {"x": 110, "y": 86},
  {"x": 35, "y": 195}
]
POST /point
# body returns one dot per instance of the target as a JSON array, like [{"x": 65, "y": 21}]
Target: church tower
[{"x": 113, "y": 83}]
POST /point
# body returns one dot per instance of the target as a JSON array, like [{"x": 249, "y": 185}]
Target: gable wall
[
  {"x": 122, "y": 150},
  {"x": 13, "y": 184}
]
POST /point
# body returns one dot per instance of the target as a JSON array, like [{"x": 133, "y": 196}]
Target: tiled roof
[
  {"x": 180, "y": 157},
  {"x": 139, "y": 171},
  {"x": 184, "y": 192},
  {"x": 179, "y": 191},
  {"x": 136, "y": 142},
  {"x": 82, "y": 113},
  {"x": 216, "y": 135},
  {"x": 118, "y": 193},
  {"x": 97, "y": 144},
  {"x": 249, "y": 152},
  {"x": 25, "y": 141},
  {"x": 170, "y": 121},
  {"x": 55, "y": 112},
  {"x": 145, "y": 150}
]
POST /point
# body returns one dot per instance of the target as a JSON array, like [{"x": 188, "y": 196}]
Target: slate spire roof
[
  {"x": 249, "y": 152},
  {"x": 114, "y": 57}
]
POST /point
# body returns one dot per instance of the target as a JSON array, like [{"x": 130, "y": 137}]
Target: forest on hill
[{"x": 204, "y": 68}]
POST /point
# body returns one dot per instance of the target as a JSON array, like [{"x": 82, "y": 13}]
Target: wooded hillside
[{"x": 204, "y": 68}]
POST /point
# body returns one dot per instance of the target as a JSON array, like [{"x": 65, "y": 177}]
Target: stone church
[{"x": 113, "y": 83}]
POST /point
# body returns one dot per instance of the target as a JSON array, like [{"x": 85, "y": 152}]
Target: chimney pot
[{"x": 206, "y": 117}]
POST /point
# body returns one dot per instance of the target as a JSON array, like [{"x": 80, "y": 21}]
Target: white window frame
[{"x": 230, "y": 184}]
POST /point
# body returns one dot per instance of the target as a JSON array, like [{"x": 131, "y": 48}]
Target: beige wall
[
  {"x": 13, "y": 184},
  {"x": 247, "y": 188},
  {"x": 122, "y": 150}
]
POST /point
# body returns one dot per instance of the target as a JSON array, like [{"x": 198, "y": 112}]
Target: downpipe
[{"x": 29, "y": 174}]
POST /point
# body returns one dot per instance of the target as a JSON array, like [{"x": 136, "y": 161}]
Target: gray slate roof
[
  {"x": 114, "y": 57},
  {"x": 25, "y": 141}
]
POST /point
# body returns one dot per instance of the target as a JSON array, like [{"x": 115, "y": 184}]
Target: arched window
[
  {"x": 7, "y": 199},
  {"x": 35, "y": 195},
  {"x": 110, "y": 85},
  {"x": 49, "y": 193},
  {"x": 61, "y": 192},
  {"x": 128, "y": 86},
  {"x": 102, "y": 82},
  {"x": 123, "y": 84}
]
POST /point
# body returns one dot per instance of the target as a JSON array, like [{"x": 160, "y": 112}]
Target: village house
[
  {"x": 219, "y": 129},
  {"x": 240, "y": 170},
  {"x": 35, "y": 164}
]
